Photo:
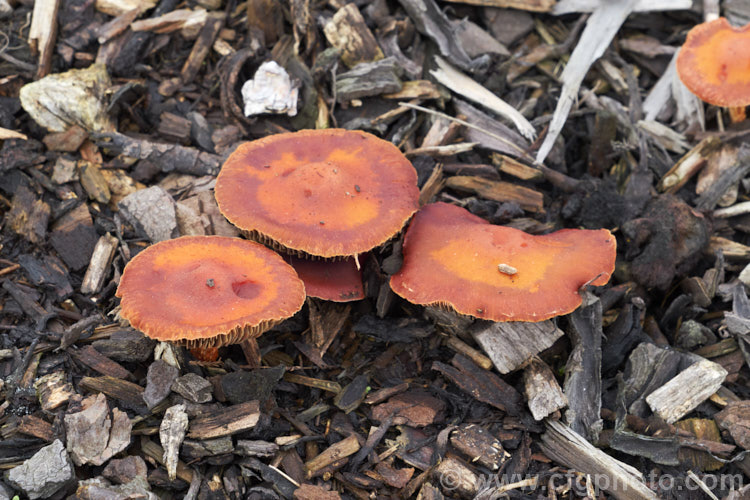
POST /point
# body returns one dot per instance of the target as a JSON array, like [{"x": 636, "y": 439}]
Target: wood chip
[
  {"x": 225, "y": 421},
  {"x": 621, "y": 480},
  {"x": 544, "y": 394},
  {"x": 171, "y": 433},
  {"x": 333, "y": 456},
  {"x": 509, "y": 345},
  {"x": 470, "y": 89},
  {"x": 688, "y": 389},
  {"x": 528, "y": 199},
  {"x": 348, "y": 32}
]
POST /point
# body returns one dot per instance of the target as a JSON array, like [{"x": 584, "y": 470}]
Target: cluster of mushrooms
[
  {"x": 324, "y": 198},
  {"x": 321, "y": 199}
]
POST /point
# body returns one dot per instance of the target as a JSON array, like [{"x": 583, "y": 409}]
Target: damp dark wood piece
[
  {"x": 169, "y": 157},
  {"x": 93, "y": 181},
  {"x": 660, "y": 449},
  {"x": 352, "y": 394},
  {"x": 621, "y": 338},
  {"x": 250, "y": 448},
  {"x": 159, "y": 379},
  {"x": 17, "y": 153},
  {"x": 281, "y": 482},
  {"x": 432, "y": 22},
  {"x": 48, "y": 272},
  {"x": 481, "y": 384},
  {"x": 326, "y": 321},
  {"x": 456, "y": 477},
  {"x": 194, "y": 388},
  {"x": 415, "y": 408},
  {"x": 174, "y": 127},
  {"x": 196, "y": 450},
  {"x": 73, "y": 236},
  {"x": 225, "y": 421},
  {"x": 308, "y": 491},
  {"x": 369, "y": 79},
  {"x": 34, "y": 426},
  {"x": 648, "y": 368},
  {"x": 74, "y": 332},
  {"x": 100, "y": 363},
  {"x": 201, "y": 48},
  {"x": 242, "y": 385},
  {"x": 583, "y": 382},
  {"x": 449, "y": 322},
  {"x": 528, "y": 199},
  {"x": 386, "y": 392},
  {"x": 511, "y": 344},
  {"x": 68, "y": 141},
  {"x": 25, "y": 298},
  {"x": 28, "y": 216},
  {"x": 735, "y": 418},
  {"x": 479, "y": 445},
  {"x": 124, "y": 52},
  {"x": 126, "y": 345},
  {"x": 664, "y": 241},
  {"x": 127, "y": 393},
  {"x": 393, "y": 330},
  {"x": 565, "y": 446},
  {"x": 333, "y": 457}
]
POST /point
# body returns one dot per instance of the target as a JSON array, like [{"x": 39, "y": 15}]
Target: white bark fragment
[{"x": 270, "y": 91}]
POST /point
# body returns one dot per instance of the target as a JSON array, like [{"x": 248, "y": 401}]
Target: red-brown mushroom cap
[
  {"x": 205, "y": 291},
  {"x": 334, "y": 280},
  {"x": 455, "y": 259},
  {"x": 714, "y": 63},
  {"x": 326, "y": 193}
]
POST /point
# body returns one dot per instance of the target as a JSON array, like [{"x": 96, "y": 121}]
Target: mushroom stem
[
  {"x": 737, "y": 114},
  {"x": 206, "y": 354},
  {"x": 252, "y": 352}
]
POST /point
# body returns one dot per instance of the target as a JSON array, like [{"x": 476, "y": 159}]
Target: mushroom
[
  {"x": 461, "y": 262},
  {"x": 208, "y": 291},
  {"x": 337, "y": 280},
  {"x": 324, "y": 193},
  {"x": 714, "y": 63},
  {"x": 329, "y": 194}
]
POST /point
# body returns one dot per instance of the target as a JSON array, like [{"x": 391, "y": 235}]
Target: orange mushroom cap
[
  {"x": 334, "y": 280},
  {"x": 208, "y": 291},
  {"x": 457, "y": 260},
  {"x": 327, "y": 193},
  {"x": 714, "y": 63}
]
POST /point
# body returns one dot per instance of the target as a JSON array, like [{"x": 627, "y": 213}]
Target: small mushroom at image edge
[
  {"x": 329, "y": 194},
  {"x": 456, "y": 260},
  {"x": 714, "y": 63},
  {"x": 208, "y": 291}
]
